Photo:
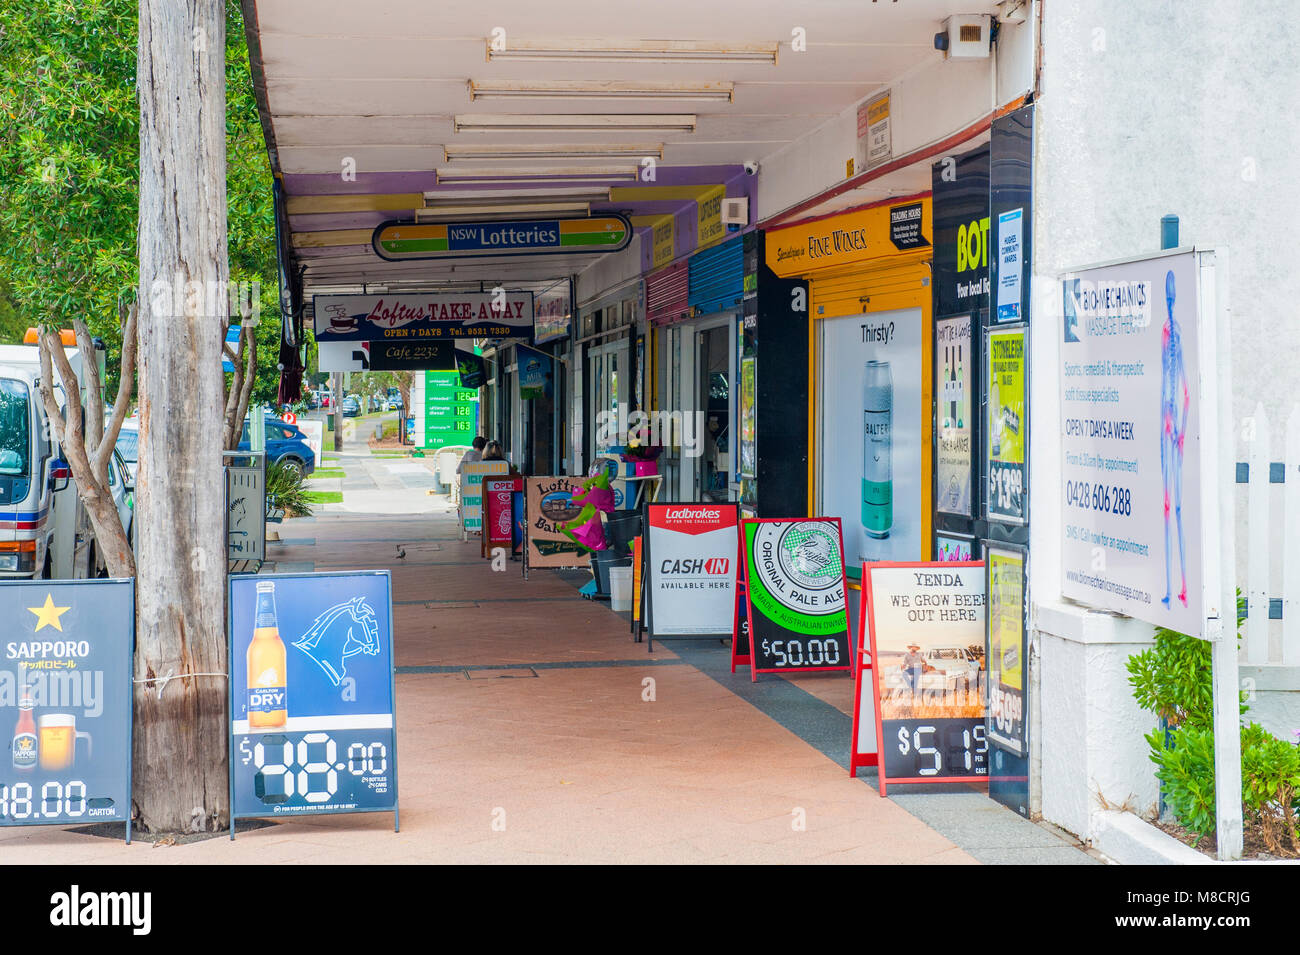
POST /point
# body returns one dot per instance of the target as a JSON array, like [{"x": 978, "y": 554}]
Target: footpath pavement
[{"x": 532, "y": 729}]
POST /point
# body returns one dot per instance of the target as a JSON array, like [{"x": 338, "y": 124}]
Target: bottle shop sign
[
  {"x": 65, "y": 698},
  {"x": 312, "y": 705}
]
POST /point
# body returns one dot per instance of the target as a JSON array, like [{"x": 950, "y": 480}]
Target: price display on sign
[
  {"x": 795, "y": 590},
  {"x": 927, "y": 678},
  {"x": 66, "y": 702},
  {"x": 1007, "y": 443},
  {"x": 312, "y": 699}
]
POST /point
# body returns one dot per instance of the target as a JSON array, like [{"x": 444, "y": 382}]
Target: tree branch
[{"x": 125, "y": 385}]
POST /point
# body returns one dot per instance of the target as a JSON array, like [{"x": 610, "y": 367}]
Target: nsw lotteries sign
[
  {"x": 690, "y": 559},
  {"x": 1130, "y": 440},
  {"x": 311, "y": 695},
  {"x": 65, "y": 702},
  {"x": 423, "y": 316},
  {"x": 794, "y": 579}
]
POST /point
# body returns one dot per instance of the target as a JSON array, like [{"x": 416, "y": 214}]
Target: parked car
[
  {"x": 394, "y": 400},
  {"x": 351, "y": 407},
  {"x": 285, "y": 444},
  {"x": 128, "y": 446}
]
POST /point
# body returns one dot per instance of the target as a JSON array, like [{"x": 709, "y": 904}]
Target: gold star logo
[{"x": 49, "y": 614}]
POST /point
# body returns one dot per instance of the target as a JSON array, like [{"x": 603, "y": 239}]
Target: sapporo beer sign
[
  {"x": 928, "y": 675},
  {"x": 794, "y": 579},
  {"x": 65, "y": 698},
  {"x": 690, "y": 559},
  {"x": 312, "y": 698}
]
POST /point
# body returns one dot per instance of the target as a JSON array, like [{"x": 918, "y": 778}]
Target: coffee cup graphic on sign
[{"x": 58, "y": 737}]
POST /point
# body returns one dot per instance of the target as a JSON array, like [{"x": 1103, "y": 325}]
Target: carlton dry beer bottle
[
  {"x": 267, "y": 676},
  {"x": 877, "y": 450},
  {"x": 25, "y": 733}
]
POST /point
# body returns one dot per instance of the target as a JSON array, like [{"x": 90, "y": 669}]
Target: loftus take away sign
[
  {"x": 690, "y": 561},
  {"x": 423, "y": 316}
]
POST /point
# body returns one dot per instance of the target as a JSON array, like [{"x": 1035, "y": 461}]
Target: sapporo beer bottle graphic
[
  {"x": 25, "y": 733},
  {"x": 267, "y": 677},
  {"x": 877, "y": 450}
]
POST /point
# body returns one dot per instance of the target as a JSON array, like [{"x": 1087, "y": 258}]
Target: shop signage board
[
  {"x": 950, "y": 547},
  {"x": 875, "y": 143},
  {"x": 1131, "y": 440},
  {"x": 246, "y": 508},
  {"x": 445, "y": 411},
  {"x": 399, "y": 240},
  {"x": 748, "y": 416},
  {"x": 690, "y": 569},
  {"x": 554, "y": 313},
  {"x": 849, "y": 239},
  {"x": 1006, "y": 648},
  {"x": 549, "y": 503},
  {"x": 1007, "y": 427},
  {"x": 534, "y": 373},
  {"x": 312, "y": 698},
  {"x": 961, "y": 232},
  {"x": 471, "y": 490},
  {"x": 795, "y": 590},
  {"x": 66, "y": 700},
  {"x": 412, "y": 356},
  {"x": 498, "y": 501},
  {"x": 923, "y": 623},
  {"x": 421, "y": 316},
  {"x": 1011, "y": 226},
  {"x": 953, "y": 418}
]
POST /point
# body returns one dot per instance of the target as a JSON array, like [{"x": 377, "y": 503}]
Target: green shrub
[
  {"x": 1173, "y": 680},
  {"x": 284, "y": 488}
]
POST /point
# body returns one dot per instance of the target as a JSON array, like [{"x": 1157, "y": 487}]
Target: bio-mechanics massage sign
[
  {"x": 794, "y": 576},
  {"x": 690, "y": 579},
  {"x": 65, "y": 698}
]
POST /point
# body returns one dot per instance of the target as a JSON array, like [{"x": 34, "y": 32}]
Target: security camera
[{"x": 751, "y": 168}]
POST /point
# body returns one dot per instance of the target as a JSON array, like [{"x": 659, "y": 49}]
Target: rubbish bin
[
  {"x": 620, "y": 528},
  {"x": 620, "y": 589},
  {"x": 601, "y": 562}
]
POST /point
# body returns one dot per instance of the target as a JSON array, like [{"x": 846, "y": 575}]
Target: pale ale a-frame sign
[
  {"x": 795, "y": 595},
  {"x": 690, "y": 570},
  {"x": 312, "y": 695}
]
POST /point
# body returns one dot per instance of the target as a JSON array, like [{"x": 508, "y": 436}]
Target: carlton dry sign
[
  {"x": 690, "y": 569},
  {"x": 65, "y": 695},
  {"x": 311, "y": 695},
  {"x": 795, "y": 589},
  {"x": 423, "y": 315},
  {"x": 398, "y": 241}
]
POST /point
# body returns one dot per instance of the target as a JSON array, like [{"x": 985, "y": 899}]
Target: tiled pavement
[{"x": 527, "y": 732}]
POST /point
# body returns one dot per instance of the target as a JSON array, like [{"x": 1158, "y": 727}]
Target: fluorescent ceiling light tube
[
  {"x": 582, "y": 89},
  {"x": 527, "y": 174},
  {"x": 550, "y": 194},
  {"x": 581, "y": 151},
  {"x": 521, "y": 210},
  {"x": 598, "y": 122},
  {"x": 652, "y": 51}
]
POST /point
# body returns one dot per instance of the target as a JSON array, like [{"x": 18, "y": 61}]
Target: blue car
[{"x": 285, "y": 444}]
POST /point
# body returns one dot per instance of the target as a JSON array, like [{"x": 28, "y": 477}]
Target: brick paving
[{"x": 567, "y": 761}]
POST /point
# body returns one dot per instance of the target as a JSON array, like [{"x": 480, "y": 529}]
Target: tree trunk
[
  {"x": 180, "y": 779},
  {"x": 241, "y": 384}
]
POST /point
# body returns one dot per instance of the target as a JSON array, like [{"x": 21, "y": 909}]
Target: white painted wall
[
  {"x": 607, "y": 272},
  {"x": 1146, "y": 109},
  {"x": 928, "y": 105}
]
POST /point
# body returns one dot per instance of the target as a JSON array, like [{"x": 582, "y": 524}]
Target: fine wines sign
[{"x": 795, "y": 589}]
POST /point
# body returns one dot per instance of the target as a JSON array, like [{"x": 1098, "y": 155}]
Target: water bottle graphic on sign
[{"x": 877, "y": 450}]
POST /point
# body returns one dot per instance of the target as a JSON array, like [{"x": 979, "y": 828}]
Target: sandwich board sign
[
  {"x": 795, "y": 595},
  {"x": 923, "y": 624},
  {"x": 690, "y": 570}
]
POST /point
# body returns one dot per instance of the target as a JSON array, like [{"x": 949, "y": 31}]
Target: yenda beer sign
[{"x": 690, "y": 569}]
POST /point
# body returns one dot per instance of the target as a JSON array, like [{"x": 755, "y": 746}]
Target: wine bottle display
[{"x": 877, "y": 450}]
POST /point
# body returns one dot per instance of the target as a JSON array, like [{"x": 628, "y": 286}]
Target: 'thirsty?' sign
[{"x": 424, "y": 316}]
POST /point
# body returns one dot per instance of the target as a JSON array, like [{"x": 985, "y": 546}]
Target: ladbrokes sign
[{"x": 691, "y": 569}]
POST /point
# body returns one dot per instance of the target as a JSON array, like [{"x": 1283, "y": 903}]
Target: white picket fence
[{"x": 1271, "y": 535}]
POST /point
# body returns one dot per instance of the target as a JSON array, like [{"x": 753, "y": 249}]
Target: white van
[{"x": 44, "y": 528}]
